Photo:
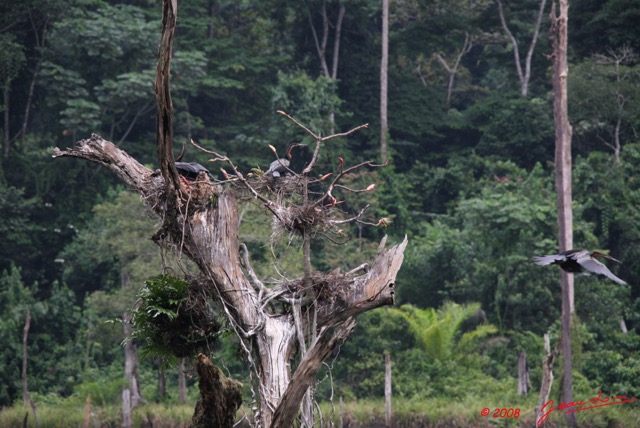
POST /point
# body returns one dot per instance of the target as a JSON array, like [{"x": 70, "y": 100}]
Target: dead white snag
[
  {"x": 369, "y": 291},
  {"x": 209, "y": 236},
  {"x": 201, "y": 221}
]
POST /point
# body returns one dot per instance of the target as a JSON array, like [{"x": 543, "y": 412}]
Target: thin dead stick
[
  {"x": 288, "y": 116},
  {"x": 344, "y": 134},
  {"x": 317, "y": 137}
]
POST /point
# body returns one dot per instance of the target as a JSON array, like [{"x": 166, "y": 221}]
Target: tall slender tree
[
  {"x": 384, "y": 82},
  {"x": 563, "y": 166}
]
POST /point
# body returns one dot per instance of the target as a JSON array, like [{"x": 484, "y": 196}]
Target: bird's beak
[{"x": 610, "y": 258}]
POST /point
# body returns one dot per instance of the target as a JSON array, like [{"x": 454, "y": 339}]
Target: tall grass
[
  {"x": 407, "y": 413},
  {"x": 72, "y": 414}
]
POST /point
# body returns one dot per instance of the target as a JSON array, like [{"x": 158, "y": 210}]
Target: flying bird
[
  {"x": 581, "y": 262},
  {"x": 280, "y": 166}
]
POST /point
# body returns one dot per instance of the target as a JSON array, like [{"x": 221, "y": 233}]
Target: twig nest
[{"x": 302, "y": 219}]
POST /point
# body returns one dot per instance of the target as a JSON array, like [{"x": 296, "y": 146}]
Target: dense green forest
[{"x": 470, "y": 181}]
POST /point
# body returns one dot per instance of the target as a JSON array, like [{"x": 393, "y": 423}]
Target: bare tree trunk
[
  {"x": 547, "y": 377},
  {"x": 523, "y": 374},
  {"x": 563, "y": 167},
  {"x": 130, "y": 353},
  {"x": 321, "y": 46},
  {"x": 25, "y": 353},
  {"x": 182, "y": 382},
  {"x": 384, "y": 68},
  {"x": 623, "y": 326},
  {"x": 210, "y": 239},
  {"x": 131, "y": 364},
  {"x": 387, "y": 389},
  {"x": 7, "y": 132},
  {"x": 86, "y": 417},
  {"x": 40, "y": 39},
  {"x": 616, "y": 139},
  {"x": 162, "y": 383},
  {"x": 126, "y": 408},
  {"x": 452, "y": 71}
]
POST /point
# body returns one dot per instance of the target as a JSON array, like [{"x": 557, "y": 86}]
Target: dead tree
[
  {"x": 384, "y": 83},
  {"x": 563, "y": 165},
  {"x": 523, "y": 76},
  {"x": 523, "y": 374},
  {"x": 321, "y": 43},
  {"x": 547, "y": 375},
  {"x": 621, "y": 57},
  {"x": 453, "y": 69},
  {"x": 200, "y": 219}
]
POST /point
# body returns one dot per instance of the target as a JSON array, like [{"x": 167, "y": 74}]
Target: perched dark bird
[
  {"x": 190, "y": 170},
  {"x": 279, "y": 166},
  {"x": 580, "y": 261}
]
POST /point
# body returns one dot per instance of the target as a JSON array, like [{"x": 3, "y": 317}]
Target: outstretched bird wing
[
  {"x": 592, "y": 265},
  {"x": 547, "y": 260}
]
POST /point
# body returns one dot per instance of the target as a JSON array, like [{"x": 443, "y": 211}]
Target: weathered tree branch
[
  {"x": 324, "y": 345},
  {"x": 164, "y": 115},
  {"x": 135, "y": 175}
]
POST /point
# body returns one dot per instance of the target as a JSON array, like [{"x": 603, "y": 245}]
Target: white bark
[
  {"x": 559, "y": 36},
  {"x": 525, "y": 76},
  {"x": 384, "y": 82}
]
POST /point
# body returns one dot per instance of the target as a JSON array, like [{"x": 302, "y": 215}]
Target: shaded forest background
[{"x": 470, "y": 180}]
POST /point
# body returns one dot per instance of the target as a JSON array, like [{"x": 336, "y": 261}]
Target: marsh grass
[
  {"x": 407, "y": 413},
  {"x": 465, "y": 412},
  {"x": 71, "y": 415}
]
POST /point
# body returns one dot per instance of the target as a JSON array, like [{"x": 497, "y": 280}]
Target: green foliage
[
  {"x": 599, "y": 24},
  {"x": 359, "y": 368},
  {"x": 13, "y": 295},
  {"x": 512, "y": 127},
  {"x": 116, "y": 239},
  {"x": 433, "y": 353},
  {"x": 439, "y": 331},
  {"x": 12, "y": 59},
  {"x": 615, "y": 367},
  {"x": 310, "y": 101},
  {"x": 58, "y": 313},
  {"x": 173, "y": 320},
  {"x": 16, "y": 228},
  {"x": 470, "y": 183},
  {"x": 606, "y": 106}
]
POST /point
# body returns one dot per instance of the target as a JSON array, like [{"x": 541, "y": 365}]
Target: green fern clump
[{"x": 173, "y": 319}]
